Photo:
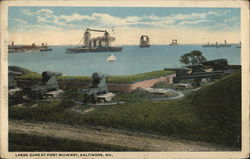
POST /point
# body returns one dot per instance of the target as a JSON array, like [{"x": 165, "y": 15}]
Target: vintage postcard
[{"x": 124, "y": 79}]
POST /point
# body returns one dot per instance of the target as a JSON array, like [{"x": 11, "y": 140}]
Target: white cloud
[
  {"x": 74, "y": 17},
  {"x": 192, "y": 22},
  {"x": 133, "y": 19},
  {"x": 23, "y": 26},
  {"x": 153, "y": 17},
  {"x": 110, "y": 20},
  {"x": 193, "y": 16},
  {"x": 62, "y": 29},
  {"x": 27, "y": 12},
  {"x": 43, "y": 19},
  {"x": 233, "y": 19},
  {"x": 44, "y": 12},
  {"x": 20, "y": 21},
  {"x": 46, "y": 16}
]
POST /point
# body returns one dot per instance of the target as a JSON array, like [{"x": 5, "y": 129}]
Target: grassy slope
[
  {"x": 26, "y": 74},
  {"x": 19, "y": 69},
  {"x": 219, "y": 105},
  {"x": 211, "y": 114}
]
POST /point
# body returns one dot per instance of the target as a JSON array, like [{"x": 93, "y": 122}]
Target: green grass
[
  {"x": 19, "y": 69},
  {"x": 211, "y": 114},
  {"x": 24, "y": 142},
  {"x": 28, "y": 75},
  {"x": 74, "y": 78},
  {"x": 219, "y": 105}
]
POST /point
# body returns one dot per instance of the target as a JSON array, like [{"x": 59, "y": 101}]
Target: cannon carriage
[
  {"x": 97, "y": 91},
  {"x": 11, "y": 79},
  {"x": 212, "y": 69},
  {"x": 47, "y": 84},
  {"x": 98, "y": 86}
]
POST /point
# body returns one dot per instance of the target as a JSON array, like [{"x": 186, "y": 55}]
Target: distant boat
[
  {"x": 27, "y": 48},
  {"x": 95, "y": 44},
  {"x": 111, "y": 58},
  {"x": 174, "y": 42},
  {"x": 238, "y": 46},
  {"x": 208, "y": 45},
  {"x": 144, "y": 41},
  {"x": 216, "y": 45}
]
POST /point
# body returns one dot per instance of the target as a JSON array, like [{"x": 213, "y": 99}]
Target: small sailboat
[
  {"x": 238, "y": 46},
  {"x": 111, "y": 58}
]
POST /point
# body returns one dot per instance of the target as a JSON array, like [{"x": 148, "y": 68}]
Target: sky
[{"x": 66, "y": 25}]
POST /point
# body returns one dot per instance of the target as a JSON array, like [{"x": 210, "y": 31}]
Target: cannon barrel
[
  {"x": 98, "y": 86},
  {"x": 175, "y": 69},
  {"x": 48, "y": 74},
  {"x": 211, "y": 62},
  {"x": 97, "y": 76},
  {"x": 98, "y": 80}
]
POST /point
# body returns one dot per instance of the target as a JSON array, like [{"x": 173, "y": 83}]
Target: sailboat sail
[{"x": 111, "y": 58}]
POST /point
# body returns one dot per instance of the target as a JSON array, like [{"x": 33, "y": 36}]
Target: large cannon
[
  {"x": 48, "y": 83},
  {"x": 11, "y": 79},
  {"x": 15, "y": 93},
  {"x": 217, "y": 64},
  {"x": 197, "y": 72},
  {"x": 98, "y": 86}
]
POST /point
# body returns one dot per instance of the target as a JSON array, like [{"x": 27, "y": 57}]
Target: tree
[{"x": 192, "y": 57}]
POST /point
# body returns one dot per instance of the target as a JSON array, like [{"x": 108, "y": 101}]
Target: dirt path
[{"x": 110, "y": 136}]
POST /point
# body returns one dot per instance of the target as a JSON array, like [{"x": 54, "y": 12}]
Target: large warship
[
  {"x": 28, "y": 48},
  {"x": 144, "y": 41},
  {"x": 96, "y": 44},
  {"x": 216, "y": 45},
  {"x": 174, "y": 42}
]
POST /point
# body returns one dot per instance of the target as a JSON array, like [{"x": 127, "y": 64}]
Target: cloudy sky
[{"x": 66, "y": 25}]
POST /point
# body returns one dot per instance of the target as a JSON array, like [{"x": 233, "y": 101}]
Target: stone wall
[
  {"x": 111, "y": 86},
  {"x": 142, "y": 84}
]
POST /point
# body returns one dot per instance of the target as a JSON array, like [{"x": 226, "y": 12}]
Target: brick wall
[{"x": 142, "y": 84}]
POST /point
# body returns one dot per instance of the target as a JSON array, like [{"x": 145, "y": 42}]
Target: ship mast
[{"x": 93, "y": 42}]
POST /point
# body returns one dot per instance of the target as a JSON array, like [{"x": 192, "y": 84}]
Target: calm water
[{"x": 131, "y": 60}]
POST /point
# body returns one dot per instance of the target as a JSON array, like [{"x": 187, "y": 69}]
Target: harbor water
[{"x": 131, "y": 60}]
